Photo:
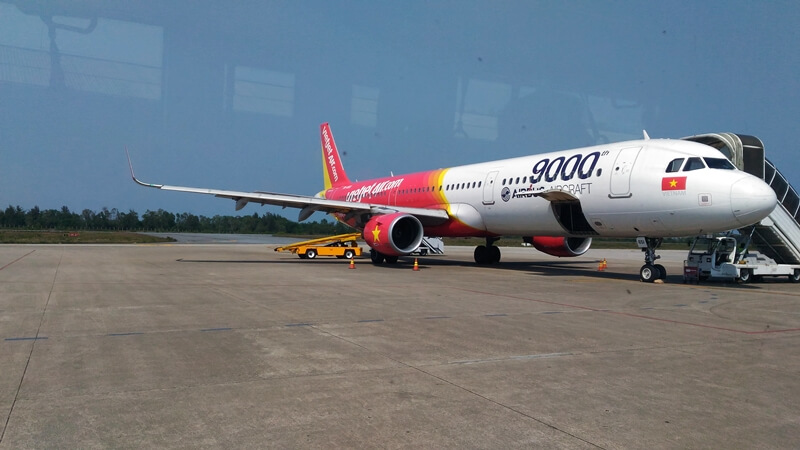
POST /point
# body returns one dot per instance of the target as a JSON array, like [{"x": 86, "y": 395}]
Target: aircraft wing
[{"x": 307, "y": 204}]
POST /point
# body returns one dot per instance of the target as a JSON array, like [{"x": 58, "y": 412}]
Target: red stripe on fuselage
[
  {"x": 415, "y": 190},
  {"x": 418, "y": 190}
]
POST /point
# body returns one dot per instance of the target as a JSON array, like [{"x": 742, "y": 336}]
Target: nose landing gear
[{"x": 651, "y": 271}]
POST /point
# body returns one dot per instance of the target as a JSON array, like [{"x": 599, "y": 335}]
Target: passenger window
[
  {"x": 524, "y": 180},
  {"x": 517, "y": 182},
  {"x": 479, "y": 183},
  {"x": 694, "y": 164},
  {"x": 675, "y": 165},
  {"x": 473, "y": 185},
  {"x": 504, "y": 181}
]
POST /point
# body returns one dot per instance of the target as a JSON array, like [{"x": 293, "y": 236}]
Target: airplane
[{"x": 647, "y": 189}]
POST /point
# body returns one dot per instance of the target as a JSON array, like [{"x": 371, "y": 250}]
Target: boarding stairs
[
  {"x": 777, "y": 236},
  {"x": 430, "y": 246}
]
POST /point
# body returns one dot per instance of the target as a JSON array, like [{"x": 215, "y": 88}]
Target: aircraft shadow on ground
[
  {"x": 587, "y": 269},
  {"x": 552, "y": 268}
]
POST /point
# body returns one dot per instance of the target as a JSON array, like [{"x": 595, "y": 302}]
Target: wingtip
[
  {"x": 133, "y": 176},
  {"x": 130, "y": 165}
]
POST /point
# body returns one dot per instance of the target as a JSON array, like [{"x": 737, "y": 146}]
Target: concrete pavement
[{"x": 237, "y": 346}]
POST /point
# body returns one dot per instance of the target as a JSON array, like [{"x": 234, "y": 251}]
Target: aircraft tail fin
[{"x": 332, "y": 167}]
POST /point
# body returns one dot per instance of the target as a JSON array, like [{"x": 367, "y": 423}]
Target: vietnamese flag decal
[{"x": 673, "y": 184}]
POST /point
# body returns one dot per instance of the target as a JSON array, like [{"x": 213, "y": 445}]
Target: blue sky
[{"x": 231, "y": 96}]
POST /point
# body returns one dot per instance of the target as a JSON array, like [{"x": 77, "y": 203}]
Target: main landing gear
[
  {"x": 650, "y": 271},
  {"x": 378, "y": 257},
  {"x": 487, "y": 254}
]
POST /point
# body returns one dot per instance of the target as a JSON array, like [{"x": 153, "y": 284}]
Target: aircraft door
[
  {"x": 488, "y": 188},
  {"x": 621, "y": 172}
]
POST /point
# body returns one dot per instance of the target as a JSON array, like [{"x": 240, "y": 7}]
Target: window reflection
[
  {"x": 479, "y": 104},
  {"x": 364, "y": 106},
  {"x": 102, "y": 56},
  {"x": 263, "y": 91}
]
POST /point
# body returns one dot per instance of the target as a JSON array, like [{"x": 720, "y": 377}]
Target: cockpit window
[
  {"x": 675, "y": 165},
  {"x": 719, "y": 163},
  {"x": 694, "y": 164}
]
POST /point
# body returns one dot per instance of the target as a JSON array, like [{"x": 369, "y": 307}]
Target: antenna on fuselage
[{"x": 646, "y": 136}]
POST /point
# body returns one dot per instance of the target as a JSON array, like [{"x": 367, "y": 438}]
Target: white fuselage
[{"x": 623, "y": 189}]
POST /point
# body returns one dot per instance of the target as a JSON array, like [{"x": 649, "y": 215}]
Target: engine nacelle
[
  {"x": 395, "y": 234},
  {"x": 560, "y": 246}
]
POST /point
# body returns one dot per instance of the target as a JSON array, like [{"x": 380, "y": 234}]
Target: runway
[{"x": 218, "y": 345}]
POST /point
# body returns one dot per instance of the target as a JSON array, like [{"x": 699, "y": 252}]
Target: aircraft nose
[{"x": 751, "y": 200}]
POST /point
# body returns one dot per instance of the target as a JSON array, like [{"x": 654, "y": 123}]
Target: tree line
[{"x": 113, "y": 219}]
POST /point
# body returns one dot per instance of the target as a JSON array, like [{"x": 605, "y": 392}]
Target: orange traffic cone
[
  {"x": 352, "y": 263},
  {"x": 601, "y": 266},
  {"x": 416, "y": 265}
]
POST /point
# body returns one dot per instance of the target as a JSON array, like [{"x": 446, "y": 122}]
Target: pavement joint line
[
  {"x": 512, "y": 358},
  {"x": 420, "y": 369},
  {"x": 205, "y": 330},
  {"x": 33, "y": 343},
  {"x": 18, "y": 259},
  {"x": 632, "y": 315}
]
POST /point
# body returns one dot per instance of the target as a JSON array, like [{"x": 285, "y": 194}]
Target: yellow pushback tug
[{"x": 340, "y": 246}]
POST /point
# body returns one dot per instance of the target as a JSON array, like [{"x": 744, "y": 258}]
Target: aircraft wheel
[
  {"x": 349, "y": 254},
  {"x": 745, "y": 276},
  {"x": 376, "y": 256},
  {"x": 494, "y": 254},
  {"x": 648, "y": 273},
  {"x": 662, "y": 272},
  {"x": 391, "y": 259},
  {"x": 795, "y": 277},
  {"x": 481, "y": 254},
  {"x": 311, "y": 253}
]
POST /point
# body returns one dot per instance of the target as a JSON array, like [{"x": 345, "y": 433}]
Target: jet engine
[
  {"x": 394, "y": 234},
  {"x": 560, "y": 246}
]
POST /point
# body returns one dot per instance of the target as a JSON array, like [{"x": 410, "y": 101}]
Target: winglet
[
  {"x": 130, "y": 165},
  {"x": 646, "y": 136},
  {"x": 333, "y": 170}
]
